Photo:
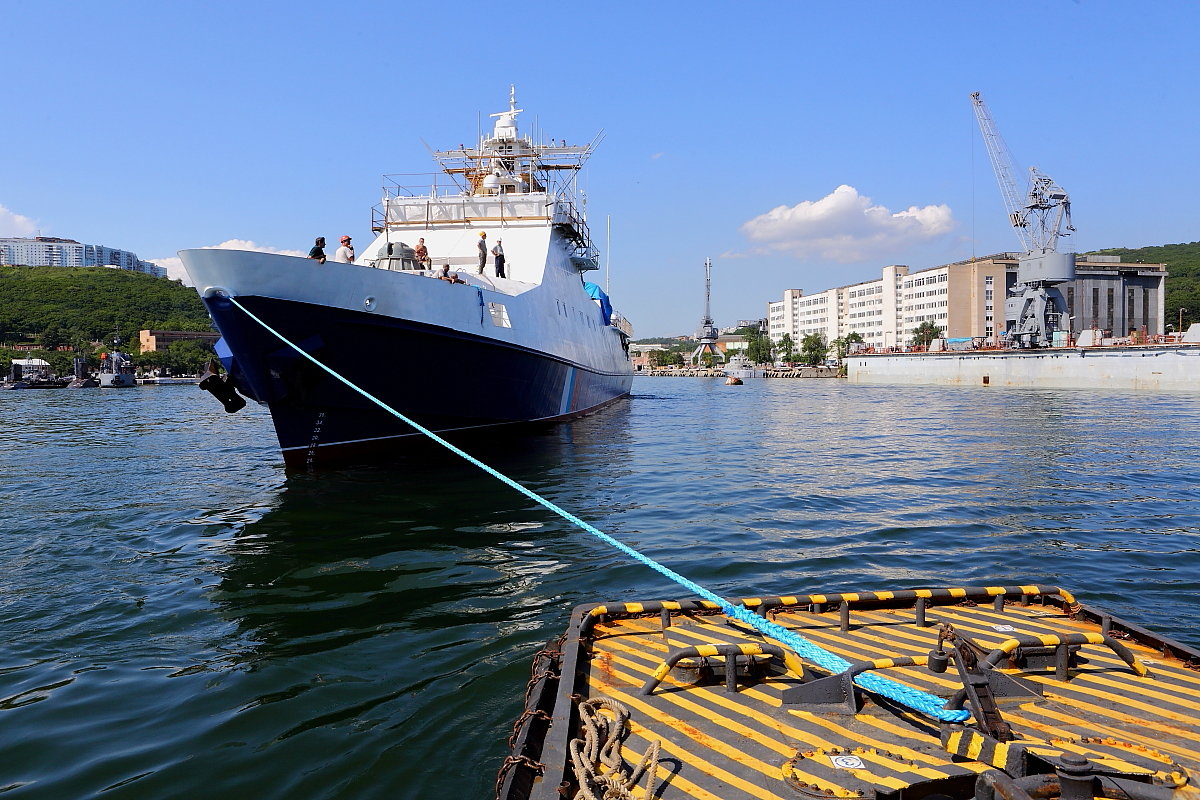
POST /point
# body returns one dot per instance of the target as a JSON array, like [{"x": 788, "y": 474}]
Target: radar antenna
[{"x": 707, "y": 332}]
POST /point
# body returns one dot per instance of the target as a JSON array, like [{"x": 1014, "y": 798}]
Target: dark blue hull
[{"x": 463, "y": 382}]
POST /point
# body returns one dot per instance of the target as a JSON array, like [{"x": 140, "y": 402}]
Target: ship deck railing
[{"x": 440, "y": 206}]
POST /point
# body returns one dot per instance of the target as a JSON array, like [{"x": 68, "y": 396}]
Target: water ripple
[{"x": 182, "y": 618}]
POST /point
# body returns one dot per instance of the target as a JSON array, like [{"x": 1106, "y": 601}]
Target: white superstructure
[{"x": 535, "y": 341}]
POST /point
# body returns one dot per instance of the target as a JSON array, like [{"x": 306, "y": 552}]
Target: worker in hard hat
[
  {"x": 498, "y": 252},
  {"x": 482, "y": 251}
]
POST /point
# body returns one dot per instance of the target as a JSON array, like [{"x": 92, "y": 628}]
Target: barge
[
  {"x": 677, "y": 699},
  {"x": 1151, "y": 366}
]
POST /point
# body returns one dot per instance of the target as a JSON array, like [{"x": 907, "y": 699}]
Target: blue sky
[{"x": 799, "y": 145}]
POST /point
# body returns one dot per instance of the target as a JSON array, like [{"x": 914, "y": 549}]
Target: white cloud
[
  {"x": 175, "y": 268},
  {"x": 12, "y": 224},
  {"x": 845, "y": 227}
]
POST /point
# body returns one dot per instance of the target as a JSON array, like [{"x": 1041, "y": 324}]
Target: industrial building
[
  {"x": 150, "y": 340},
  {"x": 966, "y": 299},
  {"x": 50, "y": 251}
]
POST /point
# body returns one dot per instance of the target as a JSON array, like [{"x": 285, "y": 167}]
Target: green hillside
[
  {"x": 69, "y": 305},
  {"x": 1183, "y": 283}
]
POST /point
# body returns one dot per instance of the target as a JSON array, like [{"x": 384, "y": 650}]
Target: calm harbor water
[{"x": 179, "y": 617}]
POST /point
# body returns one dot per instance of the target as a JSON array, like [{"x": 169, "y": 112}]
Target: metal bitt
[
  {"x": 731, "y": 652},
  {"x": 1058, "y": 650}
]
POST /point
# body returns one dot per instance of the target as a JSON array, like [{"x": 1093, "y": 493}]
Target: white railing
[
  {"x": 621, "y": 324},
  {"x": 427, "y": 211}
]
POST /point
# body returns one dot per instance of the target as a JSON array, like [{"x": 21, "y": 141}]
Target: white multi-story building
[
  {"x": 49, "y": 251},
  {"x": 966, "y": 299},
  {"x": 871, "y": 309}
]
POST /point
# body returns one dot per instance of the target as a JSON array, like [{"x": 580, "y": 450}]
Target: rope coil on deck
[
  {"x": 601, "y": 745},
  {"x": 913, "y": 698}
]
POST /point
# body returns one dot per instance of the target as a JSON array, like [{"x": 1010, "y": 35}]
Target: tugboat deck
[{"x": 786, "y": 731}]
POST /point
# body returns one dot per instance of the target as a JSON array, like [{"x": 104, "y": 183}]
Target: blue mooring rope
[{"x": 913, "y": 698}]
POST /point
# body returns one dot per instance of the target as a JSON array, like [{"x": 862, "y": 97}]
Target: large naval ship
[{"x": 532, "y": 342}]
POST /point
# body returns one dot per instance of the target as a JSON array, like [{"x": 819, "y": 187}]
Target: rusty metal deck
[{"x": 783, "y": 734}]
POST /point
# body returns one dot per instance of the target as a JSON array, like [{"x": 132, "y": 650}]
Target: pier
[{"x": 788, "y": 372}]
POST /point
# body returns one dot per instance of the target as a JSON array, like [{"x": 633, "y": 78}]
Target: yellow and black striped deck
[{"x": 747, "y": 745}]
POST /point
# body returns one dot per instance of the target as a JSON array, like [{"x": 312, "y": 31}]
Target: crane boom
[
  {"x": 1003, "y": 165},
  {"x": 1044, "y": 215},
  {"x": 1034, "y": 310}
]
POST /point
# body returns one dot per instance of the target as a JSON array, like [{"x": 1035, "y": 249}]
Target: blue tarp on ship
[
  {"x": 224, "y": 354},
  {"x": 596, "y": 293}
]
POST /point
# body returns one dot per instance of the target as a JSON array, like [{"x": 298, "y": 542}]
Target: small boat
[
  {"x": 739, "y": 366},
  {"x": 32, "y": 373},
  {"x": 532, "y": 342},
  {"x": 1034, "y": 695}
]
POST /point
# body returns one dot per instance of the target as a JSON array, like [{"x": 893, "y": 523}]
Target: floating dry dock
[{"x": 680, "y": 700}]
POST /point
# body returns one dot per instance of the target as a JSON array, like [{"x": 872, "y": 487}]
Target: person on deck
[
  {"x": 498, "y": 252},
  {"x": 345, "y": 253},
  {"x": 317, "y": 252},
  {"x": 421, "y": 253},
  {"x": 446, "y": 276},
  {"x": 482, "y": 251}
]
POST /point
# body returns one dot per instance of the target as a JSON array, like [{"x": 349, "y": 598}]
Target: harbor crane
[
  {"x": 707, "y": 332},
  {"x": 1034, "y": 308}
]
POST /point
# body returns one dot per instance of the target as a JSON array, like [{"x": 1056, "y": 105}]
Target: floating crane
[
  {"x": 707, "y": 332},
  {"x": 1035, "y": 308}
]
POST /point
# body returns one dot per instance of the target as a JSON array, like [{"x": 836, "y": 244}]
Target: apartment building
[
  {"x": 49, "y": 251},
  {"x": 966, "y": 299}
]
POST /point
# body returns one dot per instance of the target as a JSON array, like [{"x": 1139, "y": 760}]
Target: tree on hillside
[
  {"x": 53, "y": 337},
  {"x": 813, "y": 349},
  {"x": 93, "y": 300},
  {"x": 925, "y": 333},
  {"x": 182, "y": 358}
]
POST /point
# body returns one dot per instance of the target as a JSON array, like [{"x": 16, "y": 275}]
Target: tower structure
[{"x": 706, "y": 334}]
